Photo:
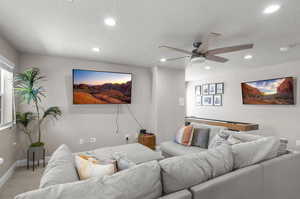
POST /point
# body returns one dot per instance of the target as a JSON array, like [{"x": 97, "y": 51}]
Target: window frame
[{"x": 5, "y": 64}]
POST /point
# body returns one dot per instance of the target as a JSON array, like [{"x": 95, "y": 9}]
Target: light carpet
[{"x": 22, "y": 180}]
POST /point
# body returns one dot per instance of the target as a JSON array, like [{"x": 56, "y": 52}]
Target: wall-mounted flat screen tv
[
  {"x": 100, "y": 87},
  {"x": 271, "y": 91}
]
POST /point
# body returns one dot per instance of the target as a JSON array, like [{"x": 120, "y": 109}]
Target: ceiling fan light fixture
[
  {"x": 248, "y": 57},
  {"x": 198, "y": 59},
  {"x": 271, "y": 9}
]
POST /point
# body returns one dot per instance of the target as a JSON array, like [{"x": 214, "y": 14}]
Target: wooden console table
[
  {"x": 236, "y": 126},
  {"x": 148, "y": 140}
]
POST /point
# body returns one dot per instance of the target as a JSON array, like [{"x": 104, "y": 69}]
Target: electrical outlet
[
  {"x": 297, "y": 142},
  {"x": 127, "y": 136},
  {"x": 93, "y": 140},
  {"x": 81, "y": 141},
  {"x": 1, "y": 161}
]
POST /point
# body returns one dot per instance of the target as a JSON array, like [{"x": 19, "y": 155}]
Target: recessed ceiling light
[
  {"x": 248, "y": 57},
  {"x": 284, "y": 49},
  {"x": 96, "y": 49},
  {"x": 163, "y": 60},
  {"x": 271, "y": 9},
  {"x": 207, "y": 67},
  {"x": 70, "y": 1},
  {"x": 109, "y": 21}
]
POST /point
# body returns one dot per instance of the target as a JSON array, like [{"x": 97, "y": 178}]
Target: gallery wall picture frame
[
  {"x": 198, "y": 90},
  {"x": 212, "y": 89},
  {"x": 219, "y": 88},
  {"x": 218, "y": 100},
  {"x": 205, "y": 89},
  {"x": 198, "y": 101},
  {"x": 207, "y": 100}
]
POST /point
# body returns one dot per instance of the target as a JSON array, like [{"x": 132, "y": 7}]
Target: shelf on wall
[{"x": 232, "y": 125}]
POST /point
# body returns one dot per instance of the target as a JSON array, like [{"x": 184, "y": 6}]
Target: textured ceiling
[{"x": 57, "y": 27}]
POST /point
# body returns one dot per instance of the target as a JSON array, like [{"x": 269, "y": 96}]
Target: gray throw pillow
[
  {"x": 60, "y": 169},
  {"x": 201, "y": 137}
]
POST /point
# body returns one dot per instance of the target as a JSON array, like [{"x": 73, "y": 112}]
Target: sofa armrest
[
  {"x": 281, "y": 177},
  {"x": 184, "y": 194}
]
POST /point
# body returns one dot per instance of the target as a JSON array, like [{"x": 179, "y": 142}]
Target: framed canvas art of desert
[{"x": 270, "y": 91}]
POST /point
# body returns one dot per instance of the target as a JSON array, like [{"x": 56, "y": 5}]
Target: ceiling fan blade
[
  {"x": 176, "y": 58},
  {"x": 230, "y": 49},
  {"x": 177, "y": 49},
  {"x": 216, "y": 58}
]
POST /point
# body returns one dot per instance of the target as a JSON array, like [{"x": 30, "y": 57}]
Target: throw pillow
[
  {"x": 185, "y": 135},
  {"x": 249, "y": 153},
  {"x": 122, "y": 161},
  {"x": 89, "y": 167},
  {"x": 218, "y": 139},
  {"x": 61, "y": 168},
  {"x": 283, "y": 147},
  {"x": 201, "y": 137}
]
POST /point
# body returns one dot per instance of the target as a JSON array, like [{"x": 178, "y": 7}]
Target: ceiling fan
[{"x": 202, "y": 52}]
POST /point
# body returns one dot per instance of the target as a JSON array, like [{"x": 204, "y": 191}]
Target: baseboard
[
  {"x": 23, "y": 163},
  {"x": 11, "y": 170},
  {"x": 8, "y": 174}
]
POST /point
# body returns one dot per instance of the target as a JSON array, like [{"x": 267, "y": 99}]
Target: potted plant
[
  {"x": 27, "y": 86},
  {"x": 23, "y": 120}
]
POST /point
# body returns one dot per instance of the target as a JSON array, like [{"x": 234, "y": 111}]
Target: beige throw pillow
[{"x": 90, "y": 167}]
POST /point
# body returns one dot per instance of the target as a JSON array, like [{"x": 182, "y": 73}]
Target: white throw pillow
[
  {"x": 218, "y": 140},
  {"x": 90, "y": 168},
  {"x": 249, "y": 153}
]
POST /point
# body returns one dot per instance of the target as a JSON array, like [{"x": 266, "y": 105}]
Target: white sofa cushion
[
  {"x": 182, "y": 172},
  {"x": 141, "y": 181}
]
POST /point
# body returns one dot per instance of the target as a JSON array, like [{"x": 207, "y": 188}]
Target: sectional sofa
[{"x": 218, "y": 173}]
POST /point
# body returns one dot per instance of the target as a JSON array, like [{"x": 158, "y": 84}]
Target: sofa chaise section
[{"x": 171, "y": 148}]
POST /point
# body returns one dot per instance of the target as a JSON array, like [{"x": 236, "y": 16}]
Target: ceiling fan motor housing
[{"x": 197, "y": 44}]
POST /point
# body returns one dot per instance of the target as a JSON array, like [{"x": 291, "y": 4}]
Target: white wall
[
  {"x": 8, "y": 150},
  {"x": 85, "y": 121},
  {"x": 278, "y": 120},
  {"x": 168, "y": 87}
]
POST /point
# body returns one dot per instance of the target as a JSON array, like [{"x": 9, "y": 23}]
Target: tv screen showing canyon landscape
[
  {"x": 97, "y": 87},
  {"x": 271, "y": 91}
]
